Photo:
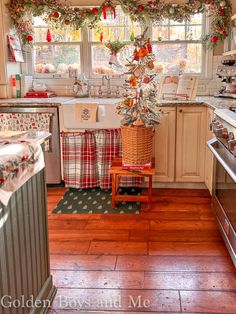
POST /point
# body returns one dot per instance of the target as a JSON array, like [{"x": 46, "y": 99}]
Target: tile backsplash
[{"x": 206, "y": 87}]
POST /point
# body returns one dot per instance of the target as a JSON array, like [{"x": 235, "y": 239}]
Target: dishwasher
[{"x": 37, "y": 118}]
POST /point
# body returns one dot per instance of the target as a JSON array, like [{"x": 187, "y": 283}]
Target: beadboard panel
[{"x": 24, "y": 261}]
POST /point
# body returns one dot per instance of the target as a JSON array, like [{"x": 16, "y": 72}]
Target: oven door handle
[{"x": 221, "y": 160}]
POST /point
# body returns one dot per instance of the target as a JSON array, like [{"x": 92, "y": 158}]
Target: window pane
[
  {"x": 170, "y": 55},
  {"x": 196, "y": 19},
  {"x": 194, "y": 32},
  {"x": 160, "y": 33},
  {"x": 59, "y": 34},
  {"x": 113, "y": 33},
  {"x": 101, "y": 56},
  {"x": 177, "y": 32},
  {"x": 172, "y": 22},
  {"x": 65, "y": 34},
  {"x": 119, "y": 28},
  {"x": 56, "y": 58}
]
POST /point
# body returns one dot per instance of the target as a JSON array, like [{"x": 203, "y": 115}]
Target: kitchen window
[
  {"x": 174, "y": 44},
  {"x": 112, "y": 29},
  {"x": 179, "y": 44},
  {"x": 57, "y": 56}
]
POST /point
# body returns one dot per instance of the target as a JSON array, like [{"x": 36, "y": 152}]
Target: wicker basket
[{"x": 137, "y": 143}]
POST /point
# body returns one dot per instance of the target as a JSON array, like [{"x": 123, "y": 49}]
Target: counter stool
[{"x": 117, "y": 172}]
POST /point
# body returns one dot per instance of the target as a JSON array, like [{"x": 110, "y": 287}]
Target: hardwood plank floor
[{"x": 169, "y": 259}]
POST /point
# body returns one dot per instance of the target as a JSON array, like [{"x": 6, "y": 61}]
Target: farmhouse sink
[{"x": 107, "y": 118}]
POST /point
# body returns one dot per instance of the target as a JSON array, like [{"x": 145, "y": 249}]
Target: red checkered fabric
[
  {"x": 87, "y": 158},
  {"x": 79, "y": 160}
]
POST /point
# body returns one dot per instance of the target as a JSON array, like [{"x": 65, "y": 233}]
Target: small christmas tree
[{"x": 140, "y": 106}]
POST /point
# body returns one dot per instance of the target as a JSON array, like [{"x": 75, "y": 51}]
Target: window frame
[{"x": 86, "y": 53}]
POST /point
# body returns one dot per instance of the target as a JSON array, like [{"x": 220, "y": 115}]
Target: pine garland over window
[{"x": 60, "y": 15}]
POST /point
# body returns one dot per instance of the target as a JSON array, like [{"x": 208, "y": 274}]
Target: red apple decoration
[
  {"x": 214, "y": 39},
  {"x": 56, "y": 15},
  {"x": 140, "y": 8},
  {"x": 30, "y": 38},
  {"x": 95, "y": 11}
]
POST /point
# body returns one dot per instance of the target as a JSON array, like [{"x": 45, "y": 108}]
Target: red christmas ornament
[
  {"x": 56, "y": 15},
  {"x": 67, "y": 22},
  {"x": 222, "y": 11},
  {"x": 95, "y": 11},
  {"x": 140, "y": 8},
  {"x": 149, "y": 46},
  {"x": 101, "y": 37},
  {"x": 49, "y": 36},
  {"x": 30, "y": 38},
  {"x": 214, "y": 39},
  {"x": 2, "y": 180}
]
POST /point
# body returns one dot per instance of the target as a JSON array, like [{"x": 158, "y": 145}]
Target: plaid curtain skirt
[{"x": 87, "y": 157}]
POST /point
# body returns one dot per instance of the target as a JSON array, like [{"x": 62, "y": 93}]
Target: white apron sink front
[{"x": 107, "y": 118}]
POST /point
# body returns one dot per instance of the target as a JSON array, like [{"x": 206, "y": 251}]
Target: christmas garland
[{"x": 59, "y": 15}]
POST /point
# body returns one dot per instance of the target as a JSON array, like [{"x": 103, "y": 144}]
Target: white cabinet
[
  {"x": 208, "y": 154},
  {"x": 190, "y": 144},
  {"x": 3, "y": 74},
  {"x": 164, "y": 146}
]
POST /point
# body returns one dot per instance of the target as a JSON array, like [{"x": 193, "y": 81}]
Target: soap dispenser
[{"x": 77, "y": 87}]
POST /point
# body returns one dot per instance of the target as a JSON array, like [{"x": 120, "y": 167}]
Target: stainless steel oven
[{"x": 223, "y": 147}]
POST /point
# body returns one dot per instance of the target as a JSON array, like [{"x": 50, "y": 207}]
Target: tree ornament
[
  {"x": 132, "y": 36},
  {"x": 222, "y": 11},
  {"x": 214, "y": 39},
  {"x": 95, "y": 11},
  {"x": 30, "y": 38},
  {"x": 149, "y": 46},
  {"x": 56, "y": 15},
  {"x": 222, "y": 4},
  {"x": 48, "y": 37},
  {"x": 140, "y": 8},
  {"x": 136, "y": 55},
  {"x": 133, "y": 81},
  {"x": 67, "y": 22},
  {"x": 101, "y": 37},
  {"x": 171, "y": 10},
  {"x": 142, "y": 52}
]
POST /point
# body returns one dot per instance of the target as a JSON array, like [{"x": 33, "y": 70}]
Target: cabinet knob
[{"x": 180, "y": 110}]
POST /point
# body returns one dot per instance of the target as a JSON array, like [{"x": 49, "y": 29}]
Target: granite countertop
[
  {"x": 210, "y": 101},
  {"x": 22, "y": 102}
]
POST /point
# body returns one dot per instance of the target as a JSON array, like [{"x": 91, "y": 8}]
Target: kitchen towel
[
  {"x": 19, "y": 161},
  {"x": 86, "y": 112}
]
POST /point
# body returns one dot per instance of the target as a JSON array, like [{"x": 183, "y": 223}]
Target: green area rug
[{"x": 96, "y": 201}]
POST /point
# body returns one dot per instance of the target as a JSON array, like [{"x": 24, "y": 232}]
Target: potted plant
[
  {"x": 115, "y": 47},
  {"x": 139, "y": 109}
]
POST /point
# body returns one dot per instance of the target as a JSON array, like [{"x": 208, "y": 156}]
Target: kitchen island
[{"x": 26, "y": 282}]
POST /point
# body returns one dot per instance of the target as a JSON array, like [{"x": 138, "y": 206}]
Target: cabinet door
[
  {"x": 208, "y": 155},
  {"x": 164, "y": 146},
  {"x": 190, "y": 144},
  {"x": 3, "y": 76}
]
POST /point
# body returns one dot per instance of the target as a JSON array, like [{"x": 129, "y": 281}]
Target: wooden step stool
[{"x": 117, "y": 172}]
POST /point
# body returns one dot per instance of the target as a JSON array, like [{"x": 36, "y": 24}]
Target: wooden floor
[{"x": 170, "y": 259}]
